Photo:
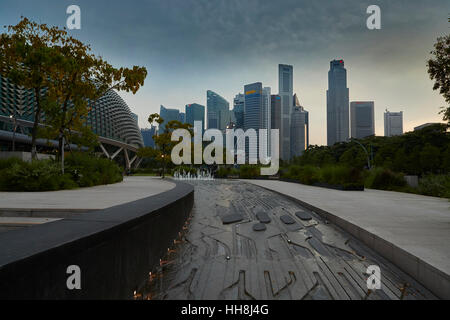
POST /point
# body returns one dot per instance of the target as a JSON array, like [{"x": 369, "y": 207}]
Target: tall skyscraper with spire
[
  {"x": 337, "y": 104},
  {"x": 285, "y": 88}
]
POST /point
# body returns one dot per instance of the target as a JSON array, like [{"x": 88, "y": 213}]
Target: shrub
[
  {"x": 341, "y": 175},
  {"x": 435, "y": 185},
  {"x": 40, "y": 175},
  {"x": 384, "y": 179},
  {"x": 89, "y": 171},
  {"x": 45, "y": 175},
  {"x": 249, "y": 171}
]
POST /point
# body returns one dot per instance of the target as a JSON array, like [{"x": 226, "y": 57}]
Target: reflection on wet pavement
[{"x": 245, "y": 242}]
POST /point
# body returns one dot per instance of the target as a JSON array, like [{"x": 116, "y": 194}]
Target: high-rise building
[
  {"x": 275, "y": 112},
  {"x": 362, "y": 119},
  {"x": 147, "y": 135},
  {"x": 299, "y": 128},
  {"x": 182, "y": 117},
  {"x": 393, "y": 123},
  {"x": 238, "y": 110},
  {"x": 168, "y": 115},
  {"x": 337, "y": 103},
  {"x": 285, "y": 88},
  {"x": 253, "y": 112},
  {"x": 195, "y": 112},
  {"x": 265, "y": 116},
  {"x": 216, "y": 105},
  {"x": 299, "y": 131}
]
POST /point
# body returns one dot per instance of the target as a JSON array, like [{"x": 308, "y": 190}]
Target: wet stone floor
[{"x": 244, "y": 242}]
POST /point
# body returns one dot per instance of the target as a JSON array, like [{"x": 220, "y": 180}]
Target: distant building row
[{"x": 360, "y": 123}]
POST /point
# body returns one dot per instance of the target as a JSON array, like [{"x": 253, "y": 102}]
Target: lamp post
[
  {"x": 365, "y": 150},
  {"x": 14, "y": 132}
]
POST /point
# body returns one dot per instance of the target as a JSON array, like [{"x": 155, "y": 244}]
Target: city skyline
[{"x": 189, "y": 53}]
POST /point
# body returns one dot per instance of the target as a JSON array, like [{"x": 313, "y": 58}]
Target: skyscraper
[
  {"x": 337, "y": 103},
  {"x": 168, "y": 115},
  {"x": 147, "y": 136},
  {"x": 275, "y": 112},
  {"x": 265, "y": 115},
  {"x": 299, "y": 128},
  {"x": 195, "y": 112},
  {"x": 253, "y": 112},
  {"x": 216, "y": 105},
  {"x": 299, "y": 131},
  {"x": 285, "y": 88},
  {"x": 182, "y": 117},
  {"x": 362, "y": 115},
  {"x": 393, "y": 123},
  {"x": 238, "y": 110}
]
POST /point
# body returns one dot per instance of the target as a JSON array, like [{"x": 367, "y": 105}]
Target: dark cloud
[{"x": 190, "y": 46}]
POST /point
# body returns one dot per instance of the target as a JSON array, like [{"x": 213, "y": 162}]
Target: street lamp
[
  {"x": 14, "y": 132},
  {"x": 365, "y": 150}
]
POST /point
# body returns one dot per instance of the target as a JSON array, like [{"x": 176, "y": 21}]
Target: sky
[{"x": 191, "y": 46}]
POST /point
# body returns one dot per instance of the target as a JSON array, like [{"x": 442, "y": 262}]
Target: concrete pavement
[
  {"x": 412, "y": 231},
  {"x": 57, "y": 204}
]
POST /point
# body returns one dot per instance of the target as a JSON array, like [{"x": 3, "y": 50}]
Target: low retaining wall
[{"x": 115, "y": 249}]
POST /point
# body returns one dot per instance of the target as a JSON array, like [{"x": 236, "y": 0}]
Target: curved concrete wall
[{"x": 115, "y": 249}]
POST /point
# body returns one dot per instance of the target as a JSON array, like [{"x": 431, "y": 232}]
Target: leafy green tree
[
  {"x": 36, "y": 56},
  {"x": 163, "y": 142},
  {"x": 439, "y": 70},
  {"x": 429, "y": 158},
  {"x": 27, "y": 58}
]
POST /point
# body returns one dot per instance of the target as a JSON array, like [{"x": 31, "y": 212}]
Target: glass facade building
[
  {"x": 337, "y": 104},
  {"x": 217, "y": 107},
  {"x": 109, "y": 117},
  {"x": 168, "y": 115},
  {"x": 393, "y": 123},
  {"x": 285, "y": 88},
  {"x": 362, "y": 119},
  {"x": 195, "y": 112}
]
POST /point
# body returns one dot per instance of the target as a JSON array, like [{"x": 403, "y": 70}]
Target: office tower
[
  {"x": 147, "y": 136},
  {"x": 182, "y": 117},
  {"x": 195, "y": 112},
  {"x": 275, "y": 112},
  {"x": 362, "y": 119},
  {"x": 393, "y": 123},
  {"x": 253, "y": 110},
  {"x": 299, "y": 131},
  {"x": 167, "y": 115},
  {"x": 238, "y": 110},
  {"x": 265, "y": 115},
  {"x": 215, "y": 104},
  {"x": 285, "y": 88},
  {"x": 337, "y": 103},
  {"x": 225, "y": 119}
]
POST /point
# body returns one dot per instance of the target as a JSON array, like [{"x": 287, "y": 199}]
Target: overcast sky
[{"x": 190, "y": 46}]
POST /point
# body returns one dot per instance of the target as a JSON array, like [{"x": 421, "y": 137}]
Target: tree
[
  {"x": 163, "y": 142},
  {"x": 27, "y": 58},
  {"x": 81, "y": 78},
  {"x": 74, "y": 79},
  {"x": 439, "y": 70}
]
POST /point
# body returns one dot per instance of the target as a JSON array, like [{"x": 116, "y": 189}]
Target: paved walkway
[
  {"x": 420, "y": 225},
  {"x": 84, "y": 199},
  {"x": 245, "y": 242}
]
